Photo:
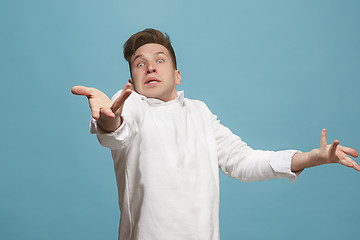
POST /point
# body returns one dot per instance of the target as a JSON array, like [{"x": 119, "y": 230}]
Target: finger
[
  {"x": 95, "y": 112},
  {"x": 346, "y": 162},
  {"x": 323, "y": 141},
  {"x": 85, "y": 91},
  {"x": 81, "y": 90},
  {"x": 356, "y": 167},
  {"x": 333, "y": 147},
  {"x": 119, "y": 102},
  {"x": 107, "y": 112},
  {"x": 350, "y": 151}
]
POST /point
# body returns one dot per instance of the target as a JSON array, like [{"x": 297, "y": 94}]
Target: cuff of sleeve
[
  {"x": 120, "y": 133},
  {"x": 281, "y": 163}
]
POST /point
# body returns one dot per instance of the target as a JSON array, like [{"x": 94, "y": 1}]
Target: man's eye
[
  {"x": 140, "y": 64},
  {"x": 160, "y": 60}
]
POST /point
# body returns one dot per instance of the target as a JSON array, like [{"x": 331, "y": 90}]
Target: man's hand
[
  {"x": 107, "y": 113},
  {"x": 332, "y": 153}
]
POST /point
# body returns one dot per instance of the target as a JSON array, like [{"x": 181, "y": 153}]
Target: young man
[{"x": 167, "y": 149}]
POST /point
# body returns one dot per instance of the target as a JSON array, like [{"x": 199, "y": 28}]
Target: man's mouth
[{"x": 152, "y": 80}]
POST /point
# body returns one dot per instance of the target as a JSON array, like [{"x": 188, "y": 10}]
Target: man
[{"x": 167, "y": 149}]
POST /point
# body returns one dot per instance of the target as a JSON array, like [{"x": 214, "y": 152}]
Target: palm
[{"x": 107, "y": 113}]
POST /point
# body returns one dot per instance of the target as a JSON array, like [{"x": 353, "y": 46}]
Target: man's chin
[{"x": 150, "y": 94}]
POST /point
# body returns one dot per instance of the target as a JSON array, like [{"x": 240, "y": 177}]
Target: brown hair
[{"x": 146, "y": 36}]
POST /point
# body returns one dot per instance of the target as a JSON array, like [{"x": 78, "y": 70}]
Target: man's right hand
[{"x": 107, "y": 113}]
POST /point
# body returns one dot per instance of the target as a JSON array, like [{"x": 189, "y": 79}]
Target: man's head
[
  {"x": 152, "y": 65},
  {"x": 146, "y": 36}
]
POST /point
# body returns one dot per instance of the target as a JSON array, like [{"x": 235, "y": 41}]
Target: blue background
[{"x": 275, "y": 72}]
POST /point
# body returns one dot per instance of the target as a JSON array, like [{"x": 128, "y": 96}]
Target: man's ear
[
  {"x": 178, "y": 77},
  {"x": 132, "y": 84}
]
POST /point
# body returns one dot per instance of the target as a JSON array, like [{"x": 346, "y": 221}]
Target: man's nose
[{"x": 151, "y": 68}]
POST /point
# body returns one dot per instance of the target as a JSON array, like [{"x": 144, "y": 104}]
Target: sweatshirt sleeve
[{"x": 240, "y": 161}]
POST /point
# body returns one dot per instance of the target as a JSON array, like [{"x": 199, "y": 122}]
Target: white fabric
[{"x": 166, "y": 159}]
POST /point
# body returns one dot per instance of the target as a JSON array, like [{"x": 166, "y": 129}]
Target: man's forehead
[{"x": 150, "y": 49}]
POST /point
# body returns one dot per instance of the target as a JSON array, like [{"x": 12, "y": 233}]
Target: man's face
[{"x": 153, "y": 73}]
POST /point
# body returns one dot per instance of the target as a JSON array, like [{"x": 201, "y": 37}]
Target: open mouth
[{"x": 152, "y": 81}]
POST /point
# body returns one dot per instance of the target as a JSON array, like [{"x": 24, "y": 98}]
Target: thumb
[{"x": 119, "y": 102}]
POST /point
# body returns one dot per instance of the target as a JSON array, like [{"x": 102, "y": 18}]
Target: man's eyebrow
[
  {"x": 158, "y": 53},
  {"x": 137, "y": 56}
]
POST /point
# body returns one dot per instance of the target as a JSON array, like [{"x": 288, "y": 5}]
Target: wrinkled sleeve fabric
[
  {"x": 238, "y": 160},
  {"x": 121, "y": 137}
]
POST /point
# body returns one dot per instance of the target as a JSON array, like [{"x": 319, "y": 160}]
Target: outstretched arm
[
  {"x": 107, "y": 113},
  {"x": 332, "y": 153}
]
